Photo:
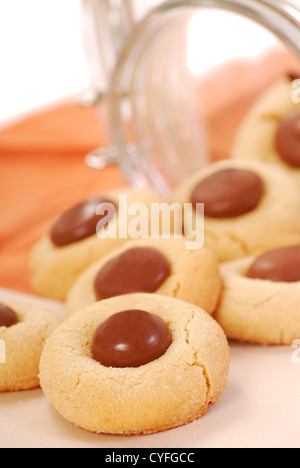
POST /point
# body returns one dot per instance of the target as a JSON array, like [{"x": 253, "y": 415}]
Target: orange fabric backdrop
[
  {"x": 42, "y": 172},
  {"x": 42, "y": 168}
]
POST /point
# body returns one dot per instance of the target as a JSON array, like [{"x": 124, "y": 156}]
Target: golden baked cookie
[
  {"x": 160, "y": 266},
  {"x": 270, "y": 131},
  {"x": 261, "y": 297},
  {"x": 24, "y": 329},
  {"x": 135, "y": 364},
  {"x": 72, "y": 245},
  {"x": 249, "y": 207}
]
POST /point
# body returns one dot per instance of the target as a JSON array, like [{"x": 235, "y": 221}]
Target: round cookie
[
  {"x": 71, "y": 246},
  {"x": 249, "y": 207},
  {"x": 170, "y": 391},
  {"x": 257, "y": 309},
  {"x": 160, "y": 266},
  {"x": 267, "y": 132},
  {"x": 24, "y": 329}
]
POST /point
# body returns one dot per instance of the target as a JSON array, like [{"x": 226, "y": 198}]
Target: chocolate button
[
  {"x": 135, "y": 270},
  {"x": 278, "y": 265},
  {"x": 8, "y": 317},
  {"x": 80, "y": 221},
  {"x": 287, "y": 140},
  {"x": 229, "y": 193},
  {"x": 131, "y": 338},
  {"x": 294, "y": 76}
]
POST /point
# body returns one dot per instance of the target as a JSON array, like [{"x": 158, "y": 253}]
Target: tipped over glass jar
[{"x": 175, "y": 79}]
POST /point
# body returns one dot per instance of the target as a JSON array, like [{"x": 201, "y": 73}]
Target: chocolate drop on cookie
[
  {"x": 8, "y": 317},
  {"x": 293, "y": 76},
  {"x": 282, "y": 265},
  {"x": 81, "y": 221},
  {"x": 131, "y": 338},
  {"x": 287, "y": 139},
  {"x": 229, "y": 193},
  {"x": 135, "y": 270}
]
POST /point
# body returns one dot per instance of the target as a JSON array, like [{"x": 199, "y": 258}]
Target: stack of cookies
[{"x": 144, "y": 345}]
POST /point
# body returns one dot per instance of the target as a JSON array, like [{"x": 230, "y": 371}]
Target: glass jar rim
[{"x": 280, "y": 18}]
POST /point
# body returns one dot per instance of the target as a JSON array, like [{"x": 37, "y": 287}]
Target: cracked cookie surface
[
  {"x": 194, "y": 275},
  {"x": 273, "y": 223},
  {"x": 256, "y": 310},
  {"x": 54, "y": 269},
  {"x": 171, "y": 391},
  {"x": 24, "y": 342}
]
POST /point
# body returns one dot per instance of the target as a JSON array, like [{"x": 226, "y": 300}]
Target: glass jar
[{"x": 168, "y": 74}]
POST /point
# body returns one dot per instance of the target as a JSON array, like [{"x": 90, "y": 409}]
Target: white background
[
  {"x": 42, "y": 59},
  {"x": 41, "y": 54}
]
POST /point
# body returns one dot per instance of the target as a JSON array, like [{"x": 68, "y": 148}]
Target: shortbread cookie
[
  {"x": 135, "y": 364},
  {"x": 249, "y": 207},
  {"x": 161, "y": 266},
  {"x": 271, "y": 130},
  {"x": 73, "y": 244},
  {"x": 24, "y": 328},
  {"x": 261, "y": 297}
]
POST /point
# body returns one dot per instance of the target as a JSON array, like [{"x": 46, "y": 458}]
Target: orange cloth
[
  {"x": 42, "y": 172},
  {"x": 42, "y": 169}
]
